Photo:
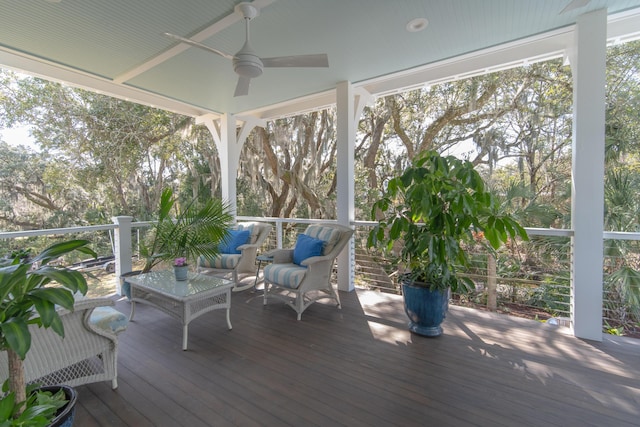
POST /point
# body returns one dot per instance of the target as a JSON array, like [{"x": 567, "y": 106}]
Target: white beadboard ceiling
[{"x": 117, "y": 46}]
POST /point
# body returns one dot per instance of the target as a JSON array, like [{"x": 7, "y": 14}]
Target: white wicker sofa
[{"x": 88, "y": 353}]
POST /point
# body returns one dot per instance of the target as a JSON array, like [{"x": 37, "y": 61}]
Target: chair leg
[
  {"x": 265, "y": 292},
  {"x": 335, "y": 295},
  {"x": 299, "y": 304}
]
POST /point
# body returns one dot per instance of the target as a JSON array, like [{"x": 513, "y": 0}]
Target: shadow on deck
[{"x": 359, "y": 366}]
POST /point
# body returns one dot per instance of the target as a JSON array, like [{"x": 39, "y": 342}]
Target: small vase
[{"x": 181, "y": 272}]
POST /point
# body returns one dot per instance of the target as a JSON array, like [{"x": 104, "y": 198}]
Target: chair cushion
[
  {"x": 109, "y": 319},
  {"x": 306, "y": 247},
  {"x": 223, "y": 261},
  {"x": 233, "y": 240},
  {"x": 286, "y": 275},
  {"x": 329, "y": 235}
]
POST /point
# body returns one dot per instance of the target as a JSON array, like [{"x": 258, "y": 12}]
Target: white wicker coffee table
[{"x": 184, "y": 300}]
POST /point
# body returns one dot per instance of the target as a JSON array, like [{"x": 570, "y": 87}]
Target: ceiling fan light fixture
[
  {"x": 246, "y": 69},
  {"x": 416, "y": 25}
]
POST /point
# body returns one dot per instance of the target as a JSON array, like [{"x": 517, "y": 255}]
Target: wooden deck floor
[{"x": 359, "y": 366}]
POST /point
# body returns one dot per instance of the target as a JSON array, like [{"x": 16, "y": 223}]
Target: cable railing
[
  {"x": 532, "y": 277},
  {"x": 527, "y": 277}
]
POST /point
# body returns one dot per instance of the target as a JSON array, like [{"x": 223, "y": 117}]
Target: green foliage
[
  {"x": 26, "y": 297},
  {"x": 37, "y": 411},
  {"x": 30, "y": 290},
  {"x": 429, "y": 210},
  {"x": 625, "y": 282},
  {"x": 196, "y": 230}
]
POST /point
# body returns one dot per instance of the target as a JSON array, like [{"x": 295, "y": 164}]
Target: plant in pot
[
  {"x": 195, "y": 230},
  {"x": 425, "y": 216},
  {"x": 30, "y": 290}
]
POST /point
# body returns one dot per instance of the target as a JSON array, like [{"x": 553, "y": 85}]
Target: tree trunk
[{"x": 16, "y": 377}]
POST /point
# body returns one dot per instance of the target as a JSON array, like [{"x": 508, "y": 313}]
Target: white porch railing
[{"x": 374, "y": 271}]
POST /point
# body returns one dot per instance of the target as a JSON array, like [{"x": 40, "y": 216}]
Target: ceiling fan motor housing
[{"x": 247, "y": 64}]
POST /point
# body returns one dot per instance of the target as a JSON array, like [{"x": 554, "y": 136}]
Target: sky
[{"x": 17, "y": 136}]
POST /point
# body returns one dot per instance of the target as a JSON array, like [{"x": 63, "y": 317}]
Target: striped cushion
[
  {"x": 329, "y": 234},
  {"x": 287, "y": 275},
  {"x": 223, "y": 261}
]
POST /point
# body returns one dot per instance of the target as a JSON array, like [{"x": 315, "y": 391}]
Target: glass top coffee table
[{"x": 185, "y": 300}]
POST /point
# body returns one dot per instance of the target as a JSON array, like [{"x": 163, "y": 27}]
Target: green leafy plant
[
  {"x": 30, "y": 290},
  {"x": 38, "y": 410},
  {"x": 428, "y": 211},
  {"x": 196, "y": 230}
]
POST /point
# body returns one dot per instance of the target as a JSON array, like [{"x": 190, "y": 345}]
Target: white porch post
[
  {"x": 346, "y": 136},
  {"x": 587, "y": 207},
  {"x": 122, "y": 248},
  {"x": 229, "y": 145}
]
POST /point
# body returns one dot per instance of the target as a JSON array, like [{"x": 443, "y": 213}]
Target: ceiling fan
[{"x": 246, "y": 63}]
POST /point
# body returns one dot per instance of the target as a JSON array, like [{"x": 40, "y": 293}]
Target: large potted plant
[
  {"x": 424, "y": 216},
  {"x": 30, "y": 291},
  {"x": 181, "y": 235},
  {"x": 195, "y": 230}
]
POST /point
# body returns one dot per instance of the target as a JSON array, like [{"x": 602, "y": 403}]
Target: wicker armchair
[
  {"x": 242, "y": 263},
  {"x": 88, "y": 353},
  {"x": 300, "y": 283}
]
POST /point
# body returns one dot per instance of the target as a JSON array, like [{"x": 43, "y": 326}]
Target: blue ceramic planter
[
  {"x": 66, "y": 414},
  {"x": 181, "y": 273},
  {"x": 426, "y": 309}
]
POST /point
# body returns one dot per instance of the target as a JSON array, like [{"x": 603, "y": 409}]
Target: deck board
[{"x": 360, "y": 366}]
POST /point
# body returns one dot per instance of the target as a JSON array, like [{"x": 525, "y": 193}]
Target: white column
[
  {"x": 224, "y": 136},
  {"x": 229, "y": 145},
  {"x": 587, "y": 208},
  {"x": 229, "y": 150},
  {"x": 346, "y": 136},
  {"x": 122, "y": 247}
]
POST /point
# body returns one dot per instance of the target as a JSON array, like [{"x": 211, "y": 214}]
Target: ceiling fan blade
[
  {"x": 574, "y": 4},
  {"x": 196, "y": 44},
  {"x": 242, "y": 88},
  {"x": 319, "y": 60}
]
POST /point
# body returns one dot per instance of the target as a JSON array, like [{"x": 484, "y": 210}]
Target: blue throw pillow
[
  {"x": 306, "y": 247},
  {"x": 234, "y": 239}
]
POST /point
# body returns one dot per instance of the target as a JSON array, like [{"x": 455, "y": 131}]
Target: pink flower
[{"x": 180, "y": 262}]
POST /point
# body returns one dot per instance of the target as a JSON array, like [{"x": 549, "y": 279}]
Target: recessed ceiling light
[
  {"x": 416, "y": 25},
  {"x": 53, "y": 1}
]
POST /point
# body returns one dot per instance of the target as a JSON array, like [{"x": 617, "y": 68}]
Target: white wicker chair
[
  {"x": 88, "y": 353},
  {"x": 237, "y": 264},
  {"x": 302, "y": 285}
]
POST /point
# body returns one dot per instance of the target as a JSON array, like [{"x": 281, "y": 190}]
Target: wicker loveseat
[{"x": 88, "y": 353}]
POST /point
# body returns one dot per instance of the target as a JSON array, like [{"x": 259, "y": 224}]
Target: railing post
[
  {"x": 279, "y": 235},
  {"x": 122, "y": 248}
]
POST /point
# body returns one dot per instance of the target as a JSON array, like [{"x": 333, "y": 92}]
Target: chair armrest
[
  {"x": 247, "y": 246},
  {"x": 281, "y": 256},
  {"x": 88, "y": 304},
  {"x": 315, "y": 259}
]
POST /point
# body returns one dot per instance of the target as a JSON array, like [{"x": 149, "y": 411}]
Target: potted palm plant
[
  {"x": 426, "y": 214},
  {"x": 197, "y": 229},
  {"x": 30, "y": 291},
  {"x": 180, "y": 235}
]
